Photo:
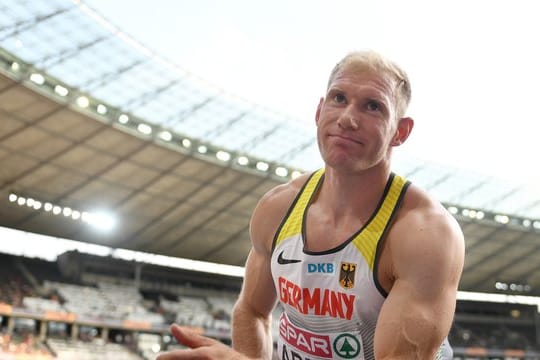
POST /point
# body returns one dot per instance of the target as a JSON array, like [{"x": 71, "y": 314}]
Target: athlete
[{"x": 364, "y": 264}]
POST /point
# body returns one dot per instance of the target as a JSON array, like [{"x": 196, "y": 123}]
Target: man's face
[{"x": 356, "y": 121}]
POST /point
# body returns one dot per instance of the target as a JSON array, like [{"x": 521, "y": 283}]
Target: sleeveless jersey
[{"x": 331, "y": 299}]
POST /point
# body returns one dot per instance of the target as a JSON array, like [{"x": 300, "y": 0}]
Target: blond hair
[{"x": 374, "y": 62}]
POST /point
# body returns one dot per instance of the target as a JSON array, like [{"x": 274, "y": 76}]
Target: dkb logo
[{"x": 325, "y": 268}]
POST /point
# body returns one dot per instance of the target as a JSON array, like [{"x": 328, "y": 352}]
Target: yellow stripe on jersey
[
  {"x": 366, "y": 241},
  {"x": 293, "y": 224}
]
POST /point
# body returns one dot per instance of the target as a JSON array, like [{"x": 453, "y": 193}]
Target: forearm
[{"x": 251, "y": 332}]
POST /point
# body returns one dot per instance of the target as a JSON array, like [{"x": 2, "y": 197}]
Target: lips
[{"x": 345, "y": 138}]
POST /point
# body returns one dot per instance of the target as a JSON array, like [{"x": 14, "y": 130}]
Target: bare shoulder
[
  {"x": 422, "y": 213},
  {"x": 424, "y": 261},
  {"x": 270, "y": 211},
  {"x": 426, "y": 232}
]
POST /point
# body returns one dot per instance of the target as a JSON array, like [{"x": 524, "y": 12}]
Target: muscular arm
[
  {"x": 251, "y": 321},
  {"x": 427, "y": 254},
  {"x": 252, "y": 313}
]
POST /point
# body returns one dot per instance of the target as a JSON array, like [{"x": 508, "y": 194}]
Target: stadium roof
[{"x": 90, "y": 118}]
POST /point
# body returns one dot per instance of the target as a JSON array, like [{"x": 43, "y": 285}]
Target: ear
[
  {"x": 318, "y": 113},
  {"x": 404, "y": 128}
]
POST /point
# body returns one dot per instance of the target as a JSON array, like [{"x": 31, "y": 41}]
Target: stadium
[{"x": 128, "y": 182}]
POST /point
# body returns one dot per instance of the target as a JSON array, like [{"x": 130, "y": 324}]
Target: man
[{"x": 364, "y": 265}]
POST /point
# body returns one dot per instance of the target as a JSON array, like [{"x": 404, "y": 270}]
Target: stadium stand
[
  {"x": 14, "y": 288},
  {"x": 101, "y": 316}
]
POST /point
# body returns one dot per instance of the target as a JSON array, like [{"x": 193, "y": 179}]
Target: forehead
[{"x": 363, "y": 77}]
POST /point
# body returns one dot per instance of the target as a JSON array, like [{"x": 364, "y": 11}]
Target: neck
[{"x": 354, "y": 194}]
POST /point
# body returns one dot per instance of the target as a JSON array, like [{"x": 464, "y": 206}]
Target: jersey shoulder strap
[
  {"x": 292, "y": 222},
  {"x": 367, "y": 240}
]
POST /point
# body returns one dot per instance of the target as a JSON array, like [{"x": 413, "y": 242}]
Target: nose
[{"x": 347, "y": 120}]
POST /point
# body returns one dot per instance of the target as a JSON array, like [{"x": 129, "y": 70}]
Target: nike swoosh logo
[{"x": 282, "y": 261}]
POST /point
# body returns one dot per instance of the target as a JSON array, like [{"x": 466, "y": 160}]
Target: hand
[{"x": 201, "y": 347}]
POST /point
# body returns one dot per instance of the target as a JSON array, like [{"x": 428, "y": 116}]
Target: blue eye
[
  {"x": 373, "y": 106},
  {"x": 339, "y": 98}
]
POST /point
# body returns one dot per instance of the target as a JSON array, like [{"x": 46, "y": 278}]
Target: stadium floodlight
[
  {"x": 123, "y": 119},
  {"x": 15, "y": 66},
  {"x": 165, "y": 135},
  {"x": 75, "y": 215},
  {"x": 242, "y": 160},
  {"x": 67, "y": 211},
  {"x": 60, "y": 90},
  {"x": 223, "y": 155},
  {"x": 186, "y": 143},
  {"x": 503, "y": 219},
  {"x": 202, "y": 149},
  {"x": 101, "y": 109},
  {"x": 145, "y": 129},
  {"x": 536, "y": 224},
  {"x": 102, "y": 220},
  {"x": 83, "y": 101},
  {"x": 281, "y": 171},
  {"x": 262, "y": 166},
  {"x": 37, "y": 205},
  {"x": 37, "y": 78},
  {"x": 501, "y": 286}
]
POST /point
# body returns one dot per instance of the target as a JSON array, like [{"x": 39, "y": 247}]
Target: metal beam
[
  {"x": 503, "y": 264},
  {"x": 24, "y": 25},
  {"x": 110, "y": 76},
  {"x": 439, "y": 181},
  {"x": 216, "y": 211},
  {"x": 88, "y": 180},
  {"x": 59, "y": 57},
  {"x": 254, "y": 140},
  {"x": 481, "y": 240},
  {"x": 183, "y": 115},
  {"x": 223, "y": 126},
  {"x": 293, "y": 152},
  {"x": 143, "y": 99},
  {"x": 134, "y": 238},
  {"x": 504, "y": 196},
  {"x": 469, "y": 191}
]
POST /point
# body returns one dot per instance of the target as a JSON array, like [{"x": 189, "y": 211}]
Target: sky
[{"x": 473, "y": 64}]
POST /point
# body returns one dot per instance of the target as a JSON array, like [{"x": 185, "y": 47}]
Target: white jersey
[{"x": 331, "y": 299}]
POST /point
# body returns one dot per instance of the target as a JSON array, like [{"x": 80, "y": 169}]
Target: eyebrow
[{"x": 373, "y": 94}]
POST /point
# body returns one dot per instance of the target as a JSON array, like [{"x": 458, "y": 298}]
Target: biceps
[
  {"x": 411, "y": 325},
  {"x": 258, "y": 291}
]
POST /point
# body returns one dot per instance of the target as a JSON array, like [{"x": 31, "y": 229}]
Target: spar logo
[
  {"x": 347, "y": 346},
  {"x": 305, "y": 341}
]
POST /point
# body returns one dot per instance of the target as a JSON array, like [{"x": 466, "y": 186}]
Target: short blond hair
[{"x": 374, "y": 62}]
